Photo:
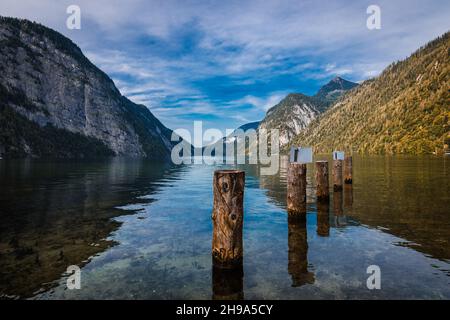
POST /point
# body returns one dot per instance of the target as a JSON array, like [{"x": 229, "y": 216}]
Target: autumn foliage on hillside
[{"x": 404, "y": 110}]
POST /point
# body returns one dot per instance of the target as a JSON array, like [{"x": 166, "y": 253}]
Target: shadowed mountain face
[
  {"x": 334, "y": 89},
  {"x": 404, "y": 110},
  {"x": 55, "y": 103},
  {"x": 250, "y": 125}
]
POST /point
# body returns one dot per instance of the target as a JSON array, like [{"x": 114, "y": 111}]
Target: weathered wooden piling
[
  {"x": 322, "y": 184},
  {"x": 296, "y": 189},
  {"x": 337, "y": 175},
  {"x": 348, "y": 170},
  {"x": 323, "y": 219},
  {"x": 298, "y": 251},
  {"x": 227, "y": 217},
  {"x": 228, "y": 284}
]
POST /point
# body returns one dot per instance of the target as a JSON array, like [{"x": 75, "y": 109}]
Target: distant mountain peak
[
  {"x": 345, "y": 84},
  {"x": 251, "y": 125},
  {"x": 337, "y": 79},
  {"x": 331, "y": 91}
]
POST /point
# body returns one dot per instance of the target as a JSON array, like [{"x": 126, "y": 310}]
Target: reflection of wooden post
[
  {"x": 337, "y": 175},
  {"x": 298, "y": 251},
  {"x": 348, "y": 170},
  {"x": 228, "y": 283},
  {"x": 348, "y": 195},
  {"x": 296, "y": 188},
  {"x": 337, "y": 204},
  {"x": 338, "y": 210},
  {"x": 322, "y": 188},
  {"x": 323, "y": 219},
  {"x": 227, "y": 216}
]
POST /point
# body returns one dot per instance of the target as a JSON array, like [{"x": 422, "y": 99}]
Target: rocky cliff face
[
  {"x": 291, "y": 115},
  {"x": 48, "y": 84},
  {"x": 295, "y": 112}
]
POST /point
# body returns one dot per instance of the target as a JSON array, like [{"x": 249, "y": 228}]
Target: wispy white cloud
[
  {"x": 260, "y": 103},
  {"x": 210, "y": 57}
]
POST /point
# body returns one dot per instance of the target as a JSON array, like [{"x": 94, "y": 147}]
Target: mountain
[
  {"x": 55, "y": 103},
  {"x": 296, "y": 111},
  {"x": 232, "y": 138},
  {"x": 291, "y": 115},
  {"x": 404, "y": 110},
  {"x": 250, "y": 125},
  {"x": 244, "y": 127},
  {"x": 334, "y": 89}
]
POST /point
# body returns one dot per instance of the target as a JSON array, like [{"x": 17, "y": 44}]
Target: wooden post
[
  {"x": 322, "y": 187},
  {"x": 337, "y": 175},
  {"x": 298, "y": 251},
  {"x": 227, "y": 217},
  {"x": 323, "y": 219},
  {"x": 296, "y": 189},
  {"x": 348, "y": 170},
  {"x": 228, "y": 284}
]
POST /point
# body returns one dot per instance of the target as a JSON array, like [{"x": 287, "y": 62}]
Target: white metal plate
[
  {"x": 305, "y": 155},
  {"x": 338, "y": 155}
]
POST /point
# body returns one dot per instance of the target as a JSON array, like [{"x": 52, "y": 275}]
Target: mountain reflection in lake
[{"x": 142, "y": 230}]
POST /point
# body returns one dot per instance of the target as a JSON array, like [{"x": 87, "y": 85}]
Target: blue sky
[{"x": 227, "y": 62}]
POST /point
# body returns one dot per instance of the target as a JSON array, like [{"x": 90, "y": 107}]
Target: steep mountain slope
[
  {"x": 54, "y": 102},
  {"x": 291, "y": 115},
  {"x": 334, "y": 89},
  {"x": 404, "y": 110},
  {"x": 296, "y": 111}
]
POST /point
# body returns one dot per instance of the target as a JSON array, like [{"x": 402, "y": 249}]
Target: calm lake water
[{"x": 142, "y": 230}]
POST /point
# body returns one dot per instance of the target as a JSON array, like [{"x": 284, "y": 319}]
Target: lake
[{"x": 142, "y": 230}]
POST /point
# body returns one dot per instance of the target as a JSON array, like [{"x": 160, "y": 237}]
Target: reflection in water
[
  {"x": 337, "y": 204},
  {"x": 275, "y": 185},
  {"x": 323, "y": 219},
  {"x": 228, "y": 284},
  {"x": 340, "y": 220},
  {"x": 54, "y": 214},
  {"x": 348, "y": 196},
  {"x": 58, "y": 214},
  {"x": 298, "y": 251},
  {"x": 408, "y": 197}
]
